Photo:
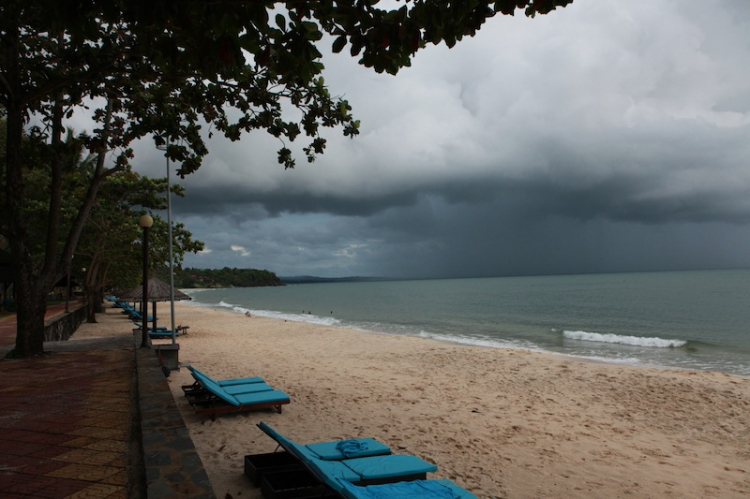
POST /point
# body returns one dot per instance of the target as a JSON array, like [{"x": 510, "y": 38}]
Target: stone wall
[
  {"x": 173, "y": 467},
  {"x": 62, "y": 327}
]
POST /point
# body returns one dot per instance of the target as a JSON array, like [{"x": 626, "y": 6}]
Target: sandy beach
[{"x": 501, "y": 423}]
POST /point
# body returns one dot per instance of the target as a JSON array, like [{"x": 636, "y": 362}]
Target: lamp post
[
  {"x": 145, "y": 222},
  {"x": 171, "y": 253}
]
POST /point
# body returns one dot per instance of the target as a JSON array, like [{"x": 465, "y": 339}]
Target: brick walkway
[
  {"x": 64, "y": 421},
  {"x": 64, "y": 426},
  {"x": 93, "y": 419}
]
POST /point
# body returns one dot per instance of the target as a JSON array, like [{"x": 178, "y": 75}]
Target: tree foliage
[
  {"x": 109, "y": 248},
  {"x": 110, "y": 244},
  {"x": 164, "y": 69}
]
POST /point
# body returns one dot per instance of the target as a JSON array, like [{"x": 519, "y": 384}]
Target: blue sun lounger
[
  {"x": 199, "y": 391},
  {"x": 232, "y": 386},
  {"x": 256, "y": 465},
  {"x": 199, "y": 375},
  {"x": 417, "y": 489},
  {"x": 360, "y": 471},
  {"x": 135, "y": 315},
  {"x": 217, "y": 400},
  {"x": 335, "y": 450},
  {"x": 151, "y": 328}
]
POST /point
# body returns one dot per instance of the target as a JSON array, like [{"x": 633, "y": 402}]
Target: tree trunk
[
  {"x": 31, "y": 301},
  {"x": 99, "y": 304},
  {"x": 102, "y": 270},
  {"x": 90, "y": 306},
  {"x": 99, "y": 300},
  {"x": 35, "y": 280},
  {"x": 31, "y": 308}
]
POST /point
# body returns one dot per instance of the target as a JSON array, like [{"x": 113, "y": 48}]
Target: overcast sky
[{"x": 609, "y": 135}]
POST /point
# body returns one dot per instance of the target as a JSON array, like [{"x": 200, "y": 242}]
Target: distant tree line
[{"x": 224, "y": 278}]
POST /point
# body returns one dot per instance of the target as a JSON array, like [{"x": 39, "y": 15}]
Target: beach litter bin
[{"x": 168, "y": 355}]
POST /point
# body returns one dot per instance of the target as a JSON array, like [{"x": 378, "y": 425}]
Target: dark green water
[{"x": 693, "y": 320}]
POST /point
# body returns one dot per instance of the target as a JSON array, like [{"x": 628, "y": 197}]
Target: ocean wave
[
  {"x": 308, "y": 318},
  {"x": 197, "y": 303},
  {"x": 623, "y": 340},
  {"x": 629, "y": 361},
  {"x": 480, "y": 341}
]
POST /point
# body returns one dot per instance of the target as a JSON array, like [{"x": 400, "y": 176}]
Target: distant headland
[{"x": 249, "y": 278}]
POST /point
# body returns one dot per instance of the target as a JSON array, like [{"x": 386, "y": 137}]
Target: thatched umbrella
[{"x": 158, "y": 290}]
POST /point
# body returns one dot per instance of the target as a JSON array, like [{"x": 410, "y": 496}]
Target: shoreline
[
  {"x": 451, "y": 340},
  {"x": 501, "y": 423}
]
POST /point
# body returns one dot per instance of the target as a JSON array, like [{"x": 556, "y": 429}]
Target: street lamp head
[{"x": 146, "y": 221}]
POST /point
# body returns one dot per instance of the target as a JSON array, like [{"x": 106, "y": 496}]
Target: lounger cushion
[
  {"x": 365, "y": 468},
  {"x": 226, "y": 382},
  {"x": 271, "y": 432},
  {"x": 299, "y": 450},
  {"x": 330, "y": 451},
  {"x": 244, "y": 398},
  {"x": 218, "y": 391},
  {"x": 247, "y": 388},
  {"x": 460, "y": 492},
  {"x": 373, "y": 468},
  {"x": 326, "y": 450},
  {"x": 261, "y": 397},
  {"x": 334, "y": 470},
  {"x": 239, "y": 381},
  {"x": 433, "y": 489},
  {"x": 331, "y": 473}
]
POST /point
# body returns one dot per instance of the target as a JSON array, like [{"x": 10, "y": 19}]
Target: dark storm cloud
[
  {"x": 493, "y": 240},
  {"x": 648, "y": 179},
  {"x": 235, "y": 200},
  {"x": 606, "y": 136}
]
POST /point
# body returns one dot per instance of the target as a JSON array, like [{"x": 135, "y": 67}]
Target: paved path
[
  {"x": 93, "y": 419},
  {"x": 64, "y": 421},
  {"x": 64, "y": 426}
]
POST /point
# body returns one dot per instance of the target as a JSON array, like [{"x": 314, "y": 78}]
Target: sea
[{"x": 698, "y": 320}]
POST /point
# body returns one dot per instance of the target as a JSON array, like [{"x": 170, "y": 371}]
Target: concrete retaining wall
[
  {"x": 173, "y": 467},
  {"x": 62, "y": 327}
]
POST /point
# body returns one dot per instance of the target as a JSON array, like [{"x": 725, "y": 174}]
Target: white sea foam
[
  {"x": 623, "y": 340},
  {"x": 309, "y": 318},
  {"x": 479, "y": 341},
  {"x": 196, "y": 303},
  {"x": 630, "y": 361}
]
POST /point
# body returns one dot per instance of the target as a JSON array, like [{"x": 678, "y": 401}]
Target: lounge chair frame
[
  {"x": 214, "y": 405},
  {"x": 197, "y": 390},
  {"x": 216, "y": 400},
  {"x": 308, "y": 481},
  {"x": 256, "y": 465}
]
